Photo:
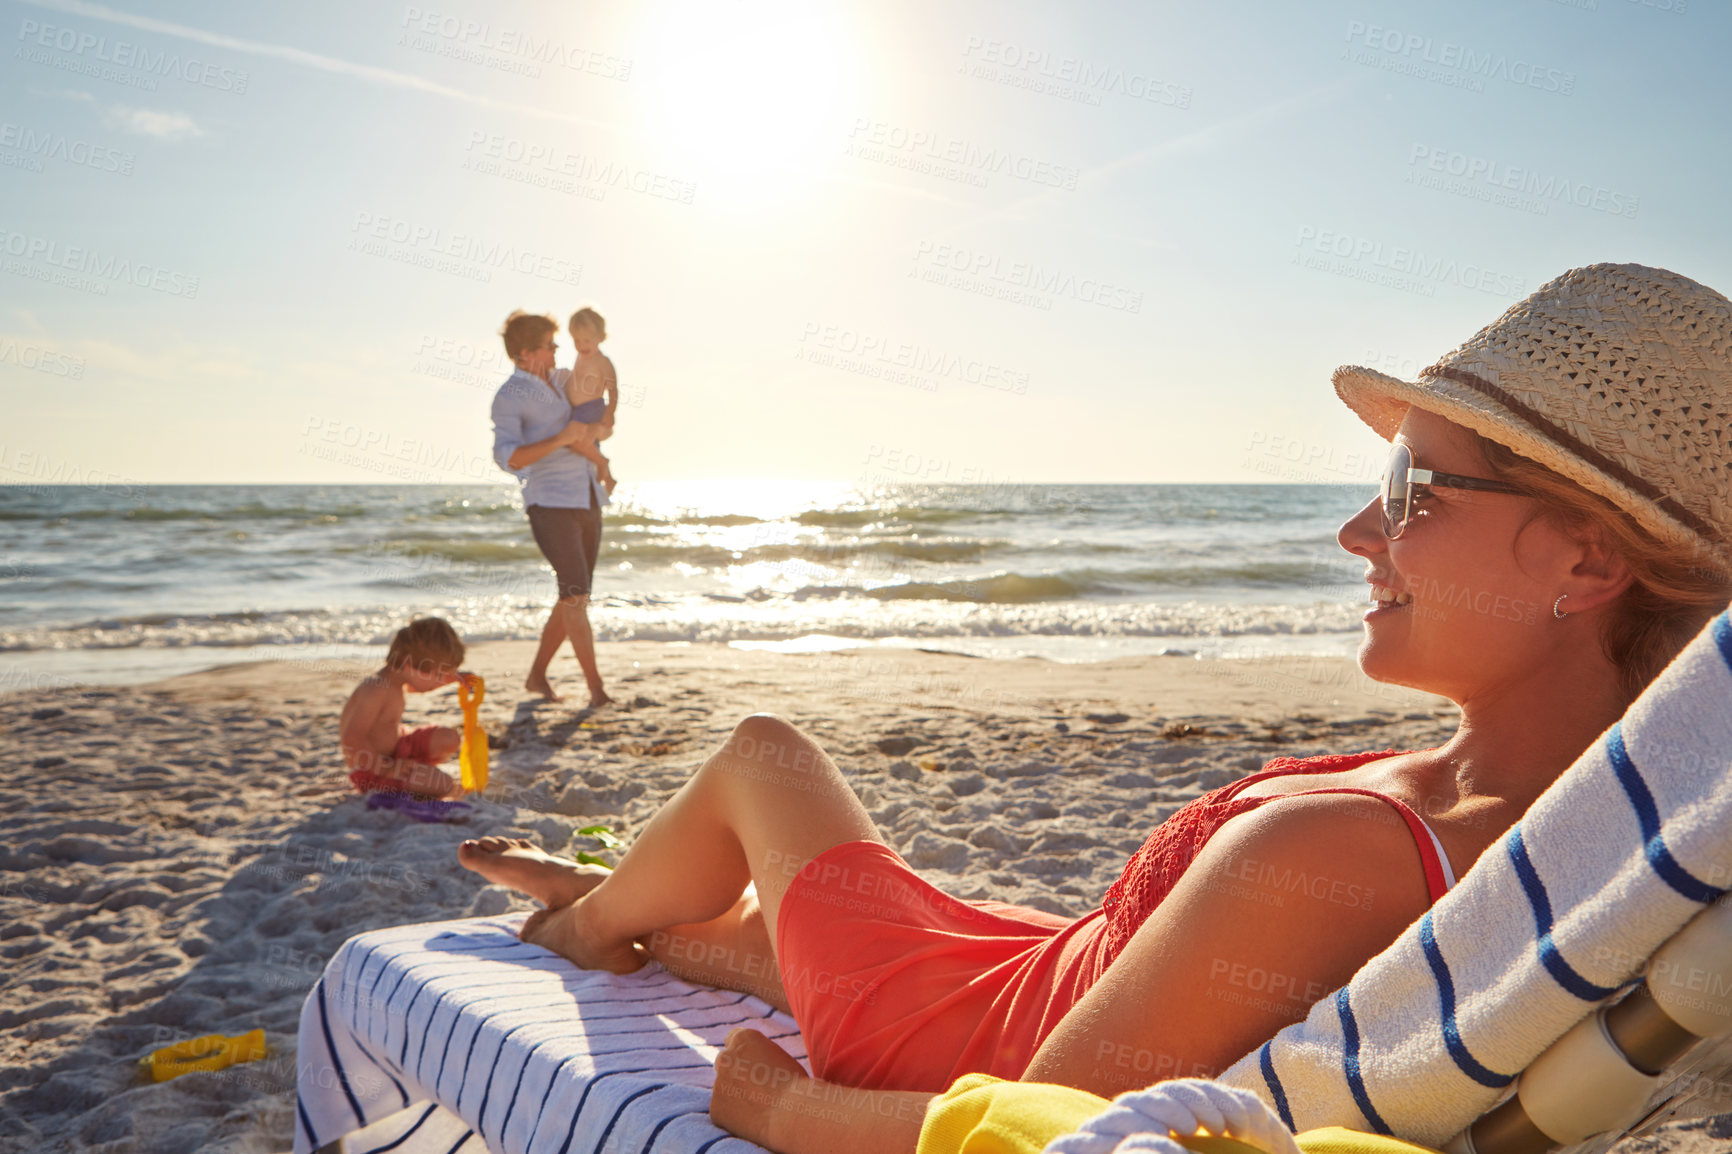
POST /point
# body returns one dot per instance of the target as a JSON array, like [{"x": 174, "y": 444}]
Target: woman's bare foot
[
  {"x": 512, "y": 861},
  {"x": 752, "y": 1075},
  {"x": 599, "y": 699},
  {"x": 537, "y": 683},
  {"x": 562, "y": 931}
]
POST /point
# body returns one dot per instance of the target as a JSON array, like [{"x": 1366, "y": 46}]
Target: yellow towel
[{"x": 980, "y": 1114}]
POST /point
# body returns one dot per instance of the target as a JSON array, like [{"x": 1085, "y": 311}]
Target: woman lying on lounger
[{"x": 1553, "y": 527}]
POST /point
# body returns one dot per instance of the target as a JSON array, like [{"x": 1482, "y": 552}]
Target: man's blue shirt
[{"x": 528, "y": 409}]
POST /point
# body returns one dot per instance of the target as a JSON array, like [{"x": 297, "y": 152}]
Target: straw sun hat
[{"x": 1617, "y": 376}]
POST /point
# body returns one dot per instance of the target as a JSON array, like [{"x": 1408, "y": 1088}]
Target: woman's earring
[{"x": 1557, "y": 611}]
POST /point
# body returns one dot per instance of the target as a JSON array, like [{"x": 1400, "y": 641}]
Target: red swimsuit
[{"x": 897, "y": 985}]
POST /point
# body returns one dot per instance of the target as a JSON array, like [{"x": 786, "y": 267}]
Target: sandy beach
[{"x": 180, "y": 858}]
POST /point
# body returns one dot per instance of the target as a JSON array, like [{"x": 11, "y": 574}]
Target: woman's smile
[{"x": 1386, "y": 599}]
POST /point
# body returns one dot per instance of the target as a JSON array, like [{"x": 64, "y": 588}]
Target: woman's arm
[
  {"x": 1281, "y": 907},
  {"x": 526, "y": 455},
  {"x": 761, "y": 1094},
  {"x": 766, "y": 1098}
]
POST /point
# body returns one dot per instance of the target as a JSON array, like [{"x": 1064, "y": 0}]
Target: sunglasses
[{"x": 1403, "y": 484}]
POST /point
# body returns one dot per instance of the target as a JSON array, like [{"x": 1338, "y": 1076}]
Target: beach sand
[{"x": 181, "y": 858}]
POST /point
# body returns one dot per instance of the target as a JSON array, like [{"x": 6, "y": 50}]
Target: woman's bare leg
[
  {"x": 520, "y": 864},
  {"x": 766, "y": 803},
  {"x": 732, "y": 952}
]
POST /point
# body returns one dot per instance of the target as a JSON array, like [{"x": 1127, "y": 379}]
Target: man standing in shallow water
[{"x": 533, "y": 439}]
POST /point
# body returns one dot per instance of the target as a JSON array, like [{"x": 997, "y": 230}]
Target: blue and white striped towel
[
  {"x": 1626, "y": 846},
  {"x": 455, "y": 1035}
]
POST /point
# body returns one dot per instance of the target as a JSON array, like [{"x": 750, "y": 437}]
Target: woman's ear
[{"x": 1599, "y": 576}]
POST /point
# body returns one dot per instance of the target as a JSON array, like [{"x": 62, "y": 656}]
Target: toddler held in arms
[
  {"x": 380, "y": 751},
  {"x": 592, "y": 387}
]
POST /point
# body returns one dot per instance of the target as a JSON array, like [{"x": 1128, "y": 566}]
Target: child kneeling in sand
[{"x": 380, "y": 751}]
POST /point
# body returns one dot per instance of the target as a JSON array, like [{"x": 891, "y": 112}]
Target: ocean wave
[
  {"x": 1017, "y": 588},
  {"x": 1000, "y": 588},
  {"x": 53, "y": 584},
  {"x": 1256, "y": 574},
  {"x": 454, "y": 508},
  {"x": 836, "y": 554},
  {"x": 176, "y": 630},
  {"x": 703, "y": 618},
  {"x": 662, "y": 550},
  {"x": 873, "y": 515},
  {"x": 147, "y": 513},
  {"x": 471, "y": 551},
  {"x": 721, "y": 521},
  {"x": 937, "y": 550}
]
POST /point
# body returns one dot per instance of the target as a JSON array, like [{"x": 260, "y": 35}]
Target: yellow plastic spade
[
  {"x": 473, "y": 758},
  {"x": 211, "y": 1052}
]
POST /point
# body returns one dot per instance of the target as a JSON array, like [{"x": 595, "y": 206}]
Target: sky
[{"x": 878, "y": 240}]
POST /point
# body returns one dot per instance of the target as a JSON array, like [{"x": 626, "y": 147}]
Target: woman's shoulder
[
  {"x": 1326, "y": 845},
  {"x": 1284, "y": 776},
  {"x": 1327, "y": 762}
]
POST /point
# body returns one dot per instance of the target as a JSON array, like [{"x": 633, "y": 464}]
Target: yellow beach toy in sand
[
  {"x": 473, "y": 758},
  {"x": 211, "y": 1052}
]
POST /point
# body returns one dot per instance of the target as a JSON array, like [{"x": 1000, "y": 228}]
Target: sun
[{"x": 752, "y": 97}]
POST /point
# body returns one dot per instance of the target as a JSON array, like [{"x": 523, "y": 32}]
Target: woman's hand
[
  {"x": 751, "y": 1073},
  {"x": 762, "y": 1094},
  {"x": 526, "y": 455}
]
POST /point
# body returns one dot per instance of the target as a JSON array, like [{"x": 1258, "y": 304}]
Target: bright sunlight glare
[{"x": 748, "y": 96}]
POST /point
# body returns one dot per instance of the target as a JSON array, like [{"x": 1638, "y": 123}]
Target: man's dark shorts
[{"x": 570, "y": 539}]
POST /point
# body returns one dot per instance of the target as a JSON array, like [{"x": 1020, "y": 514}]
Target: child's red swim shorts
[{"x": 412, "y": 745}]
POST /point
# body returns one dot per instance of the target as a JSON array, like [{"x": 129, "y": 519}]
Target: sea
[{"x": 115, "y": 584}]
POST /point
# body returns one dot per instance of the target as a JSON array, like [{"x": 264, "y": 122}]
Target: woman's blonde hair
[{"x": 1674, "y": 593}]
